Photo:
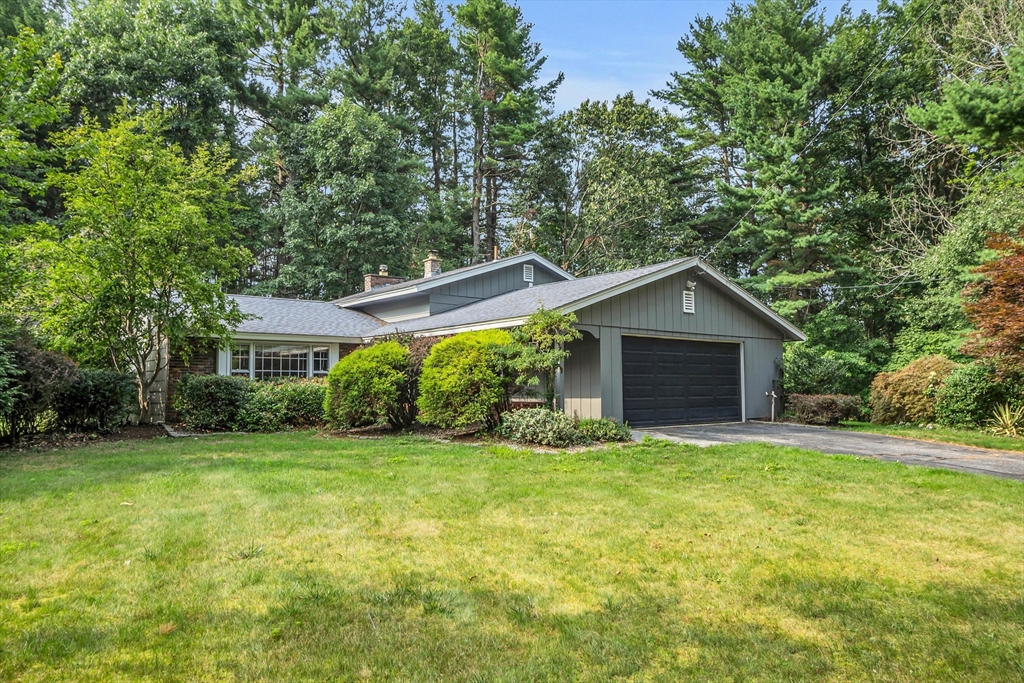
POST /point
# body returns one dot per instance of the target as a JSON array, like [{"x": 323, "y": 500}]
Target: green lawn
[
  {"x": 979, "y": 438},
  {"x": 301, "y": 557}
]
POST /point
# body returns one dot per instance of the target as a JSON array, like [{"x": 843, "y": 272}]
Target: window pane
[
  {"x": 321, "y": 360},
  {"x": 281, "y": 361},
  {"x": 240, "y": 360}
]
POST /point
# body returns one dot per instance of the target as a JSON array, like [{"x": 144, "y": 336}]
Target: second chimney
[
  {"x": 431, "y": 264},
  {"x": 381, "y": 279}
]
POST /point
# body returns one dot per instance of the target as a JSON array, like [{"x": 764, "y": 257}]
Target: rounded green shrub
[
  {"x": 603, "y": 429},
  {"x": 463, "y": 380},
  {"x": 365, "y": 387},
  {"x": 909, "y": 394},
  {"x": 96, "y": 399},
  {"x": 541, "y": 426},
  {"x": 969, "y": 396}
]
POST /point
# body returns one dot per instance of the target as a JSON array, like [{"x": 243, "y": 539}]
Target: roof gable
[
  {"x": 511, "y": 308},
  {"x": 420, "y": 285}
]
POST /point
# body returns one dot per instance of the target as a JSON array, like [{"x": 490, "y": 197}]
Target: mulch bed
[{"x": 36, "y": 442}]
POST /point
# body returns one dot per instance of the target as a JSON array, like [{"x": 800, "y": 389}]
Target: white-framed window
[
  {"x": 265, "y": 361},
  {"x": 241, "y": 364},
  {"x": 688, "y": 304},
  {"x": 321, "y": 360},
  {"x": 527, "y": 273}
]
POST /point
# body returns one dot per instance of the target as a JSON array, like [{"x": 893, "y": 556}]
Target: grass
[
  {"x": 296, "y": 557},
  {"x": 964, "y": 437}
]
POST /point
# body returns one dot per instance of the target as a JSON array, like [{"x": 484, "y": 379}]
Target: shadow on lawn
[{"x": 412, "y": 628}]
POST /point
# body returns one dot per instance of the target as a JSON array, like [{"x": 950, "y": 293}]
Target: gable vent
[
  {"x": 688, "y": 306},
  {"x": 528, "y": 274}
]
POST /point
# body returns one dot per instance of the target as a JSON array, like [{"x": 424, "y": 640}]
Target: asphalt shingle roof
[
  {"x": 301, "y": 317},
  {"x": 523, "y": 302}
]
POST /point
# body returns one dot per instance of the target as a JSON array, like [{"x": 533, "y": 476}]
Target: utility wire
[{"x": 830, "y": 119}]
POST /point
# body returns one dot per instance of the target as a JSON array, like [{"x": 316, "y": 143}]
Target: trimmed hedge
[
  {"x": 96, "y": 399},
  {"x": 546, "y": 427},
  {"x": 823, "y": 409},
  {"x": 40, "y": 377},
  {"x": 909, "y": 395},
  {"x": 283, "y": 404},
  {"x": 210, "y": 402},
  {"x": 220, "y": 403},
  {"x": 366, "y": 387},
  {"x": 465, "y": 381}
]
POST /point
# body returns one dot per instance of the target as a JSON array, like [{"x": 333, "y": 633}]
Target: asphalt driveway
[{"x": 910, "y": 451}]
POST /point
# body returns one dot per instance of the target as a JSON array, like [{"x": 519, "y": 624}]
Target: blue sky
[{"x": 608, "y": 47}]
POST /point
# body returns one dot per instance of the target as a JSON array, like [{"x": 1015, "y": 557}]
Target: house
[{"x": 672, "y": 343}]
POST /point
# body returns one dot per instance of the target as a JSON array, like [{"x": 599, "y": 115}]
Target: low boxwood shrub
[
  {"x": 823, "y": 409},
  {"x": 541, "y": 426},
  {"x": 466, "y": 380},
  {"x": 909, "y": 395},
  {"x": 971, "y": 393},
  {"x": 210, "y": 402},
  {"x": 282, "y": 404},
  {"x": 366, "y": 387},
  {"x": 603, "y": 429},
  {"x": 96, "y": 399}
]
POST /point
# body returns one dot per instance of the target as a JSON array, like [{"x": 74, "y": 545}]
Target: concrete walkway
[{"x": 910, "y": 451}]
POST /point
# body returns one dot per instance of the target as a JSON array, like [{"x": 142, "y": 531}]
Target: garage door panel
[{"x": 674, "y": 381}]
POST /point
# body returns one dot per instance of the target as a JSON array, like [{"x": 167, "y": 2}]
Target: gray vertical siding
[
  {"x": 656, "y": 310},
  {"x": 581, "y": 383},
  {"x": 485, "y": 286}
]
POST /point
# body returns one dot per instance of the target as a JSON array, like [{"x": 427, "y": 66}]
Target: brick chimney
[
  {"x": 431, "y": 264},
  {"x": 381, "y": 279}
]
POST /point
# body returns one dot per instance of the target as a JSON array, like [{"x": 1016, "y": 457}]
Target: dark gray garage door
[{"x": 670, "y": 381}]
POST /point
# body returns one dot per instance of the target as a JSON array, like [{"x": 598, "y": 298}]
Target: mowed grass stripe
[{"x": 303, "y": 557}]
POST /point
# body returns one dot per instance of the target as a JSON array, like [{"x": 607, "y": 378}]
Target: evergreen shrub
[
  {"x": 971, "y": 393},
  {"x": 541, "y": 426},
  {"x": 603, "y": 429},
  {"x": 210, "y": 402},
  {"x": 39, "y": 377},
  {"x": 815, "y": 370},
  {"x": 95, "y": 399},
  {"x": 909, "y": 395},
  {"x": 466, "y": 381},
  {"x": 282, "y": 404},
  {"x": 369, "y": 386},
  {"x": 823, "y": 409}
]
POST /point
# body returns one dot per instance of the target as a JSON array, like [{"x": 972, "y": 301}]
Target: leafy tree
[
  {"x": 28, "y": 82},
  {"x": 348, "y": 207},
  {"x": 148, "y": 243},
  {"x": 996, "y": 304},
  {"x": 599, "y": 193},
  {"x": 182, "y": 55}
]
